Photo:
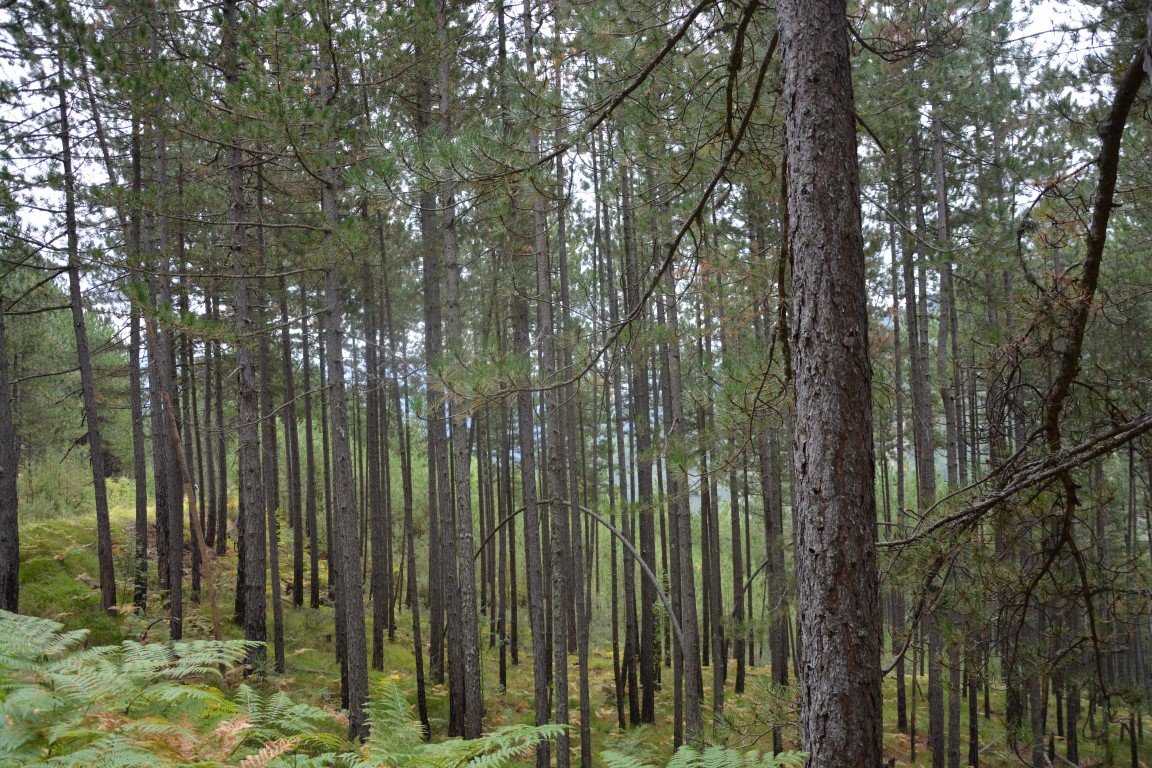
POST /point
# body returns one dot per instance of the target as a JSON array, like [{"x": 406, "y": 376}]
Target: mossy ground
[{"x": 58, "y": 567}]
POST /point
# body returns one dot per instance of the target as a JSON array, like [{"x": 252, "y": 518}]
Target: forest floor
[{"x": 58, "y": 567}]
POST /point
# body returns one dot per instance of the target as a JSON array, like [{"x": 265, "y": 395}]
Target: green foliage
[
  {"x": 710, "y": 757},
  {"x": 277, "y": 717},
  {"x": 63, "y": 704},
  {"x": 395, "y": 740},
  {"x": 138, "y": 704},
  {"x": 47, "y": 411}
]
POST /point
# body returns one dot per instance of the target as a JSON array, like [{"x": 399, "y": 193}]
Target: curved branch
[{"x": 624, "y": 540}]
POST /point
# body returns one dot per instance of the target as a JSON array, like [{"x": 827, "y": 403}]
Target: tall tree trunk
[
  {"x": 680, "y": 510},
  {"x": 435, "y": 424},
  {"x": 375, "y": 501},
  {"x": 139, "y": 469},
  {"x": 924, "y": 440},
  {"x": 310, "y": 506},
  {"x": 896, "y": 596},
  {"x": 268, "y": 463},
  {"x": 291, "y": 448},
  {"x": 532, "y": 552},
  {"x": 135, "y": 398},
  {"x": 404, "y": 439},
  {"x": 9, "y": 471},
  {"x": 87, "y": 382},
  {"x": 251, "y": 575},
  {"x": 345, "y": 538},
  {"x": 833, "y": 496},
  {"x": 209, "y": 443},
  {"x": 183, "y": 470},
  {"x": 221, "y": 445},
  {"x": 640, "y": 402},
  {"x": 468, "y": 649}
]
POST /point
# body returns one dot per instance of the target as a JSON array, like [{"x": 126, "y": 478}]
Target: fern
[
  {"x": 395, "y": 739},
  {"x": 136, "y": 705},
  {"x": 709, "y": 757},
  {"x": 277, "y": 719},
  {"x": 131, "y": 704}
]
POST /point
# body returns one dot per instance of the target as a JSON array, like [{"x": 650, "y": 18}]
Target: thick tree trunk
[{"x": 833, "y": 496}]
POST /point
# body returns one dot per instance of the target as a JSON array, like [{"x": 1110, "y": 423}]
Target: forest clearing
[{"x": 719, "y": 384}]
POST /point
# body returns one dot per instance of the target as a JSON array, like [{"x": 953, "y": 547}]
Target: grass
[{"x": 58, "y": 567}]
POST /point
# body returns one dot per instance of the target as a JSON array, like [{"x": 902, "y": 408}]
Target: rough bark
[
  {"x": 833, "y": 496},
  {"x": 251, "y": 573},
  {"x": 468, "y": 649},
  {"x": 9, "y": 513},
  {"x": 344, "y": 536}
]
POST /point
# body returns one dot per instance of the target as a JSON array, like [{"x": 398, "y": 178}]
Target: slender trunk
[
  {"x": 468, "y": 648},
  {"x": 291, "y": 448},
  {"x": 642, "y": 426},
  {"x": 135, "y": 398},
  {"x": 344, "y": 536},
  {"x": 532, "y": 550},
  {"x": 140, "y": 582},
  {"x": 679, "y": 507},
  {"x": 189, "y": 490},
  {"x": 9, "y": 514},
  {"x": 896, "y": 596},
  {"x": 375, "y": 500},
  {"x": 435, "y": 424},
  {"x": 107, "y": 575},
  {"x": 404, "y": 441},
  {"x": 221, "y": 445},
  {"x": 311, "y": 522},
  {"x": 209, "y": 447},
  {"x": 251, "y": 572},
  {"x": 190, "y": 426},
  {"x": 269, "y": 473}
]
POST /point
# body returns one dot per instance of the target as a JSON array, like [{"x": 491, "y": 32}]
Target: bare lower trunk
[
  {"x": 840, "y": 703},
  {"x": 9, "y": 516},
  {"x": 87, "y": 380}
]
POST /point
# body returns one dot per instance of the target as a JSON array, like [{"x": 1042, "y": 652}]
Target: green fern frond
[
  {"x": 112, "y": 751},
  {"x": 616, "y": 759},
  {"x": 395, "y": 739},
  {"x": 500, "y": 747},
  {"x": 28, "y": 639},
  {"x": 393, "y": 736}
]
